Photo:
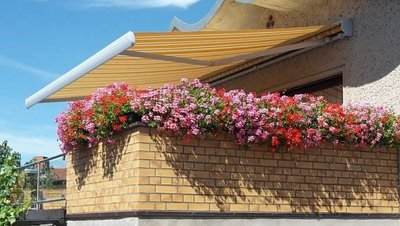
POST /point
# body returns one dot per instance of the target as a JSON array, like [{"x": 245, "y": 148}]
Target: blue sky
[{"x": 42, "y": 39}]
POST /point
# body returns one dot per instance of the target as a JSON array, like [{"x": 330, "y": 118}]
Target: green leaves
[{"x": 10, "y": 189}]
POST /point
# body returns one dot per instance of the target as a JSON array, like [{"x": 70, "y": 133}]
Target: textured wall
[
  {"x": 144, "y": 170},
  {"x": 370, "y": 59}
]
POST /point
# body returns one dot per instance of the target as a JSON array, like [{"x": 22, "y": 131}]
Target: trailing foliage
[
  {"x": 198, "y": 110},
  {"x": 10, "y": 189}
]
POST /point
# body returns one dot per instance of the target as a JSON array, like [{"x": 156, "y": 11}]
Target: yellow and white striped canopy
[{"x": 152, "y": 59}]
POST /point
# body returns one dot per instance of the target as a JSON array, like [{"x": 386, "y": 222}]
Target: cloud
[
  {"x": 11, "y": 63},
  {"x": 30, "y": 146},
  {"x": 135, "y": 4},
  {"x": 31, "y": 140}
]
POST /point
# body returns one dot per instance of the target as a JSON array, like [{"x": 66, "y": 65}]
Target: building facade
[
  {"x": 367, "y": 62},
  {"x": 152, "y": 179}
]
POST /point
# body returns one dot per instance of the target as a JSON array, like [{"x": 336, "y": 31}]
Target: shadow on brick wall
[
  {"x": 315, "y": 181},
  {"x": 85, "y": 160}
]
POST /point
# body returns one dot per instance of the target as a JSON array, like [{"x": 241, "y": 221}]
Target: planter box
[{"x": 148, "y": 171}]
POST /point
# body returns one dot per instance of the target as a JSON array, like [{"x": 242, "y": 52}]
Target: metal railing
[{"x": 40, "y": 175}]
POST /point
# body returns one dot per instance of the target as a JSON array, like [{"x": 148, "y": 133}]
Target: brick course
[
  {"x": 51, "y": 193},
  {"x": 146, "y": 170}
]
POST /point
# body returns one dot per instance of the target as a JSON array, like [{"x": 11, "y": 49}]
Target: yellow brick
[
  {"x": 254, "y": 208},
  {"x": 354, "y": 209},
  {"x": 155, "y": 197},
  {"x": 155, "y": 164},
  {"x": 144, "y": 163},
  {"x": 143, "y": 197},
  {"x": 228, "y": 144},
  {"x": 177, "y": 198},
  {"x": 166, "y": 197},
  {"x": 177, "y": 206},
  {"x": 239, "y": 207},
  {"x": 155, "y": 180},
  {"x": 166, "y": 189},
  {"x": 209, "y": 143},
  {"x": 186, "y": 190},
  {"x": 160, "y": 206},
  {"x": 144, "y": 180},
  {"x": 146, "y": 189},
  {"x": 146, "y": 155},
  {"x": 306, "y": 165},
  {"x": 125, "y": 165},
  {"x": 199, "y": 207},
  {"x": 165, "y": 173},
  {"x": 286, "y": 208},
  {"x": 188, "y": 198},
  {"x": 166, "y": 181},
  {"x": 145, "y": 206}
]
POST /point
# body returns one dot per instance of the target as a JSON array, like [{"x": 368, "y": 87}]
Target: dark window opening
[{"x": 331, "y": 88}]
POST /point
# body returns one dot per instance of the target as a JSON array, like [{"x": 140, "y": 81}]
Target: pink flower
[{"x": 196, "y": 110}]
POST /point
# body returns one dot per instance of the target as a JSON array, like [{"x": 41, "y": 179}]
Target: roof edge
[
  {"x": 178, "y": 24},
  {"x": 122, "y": 43}
]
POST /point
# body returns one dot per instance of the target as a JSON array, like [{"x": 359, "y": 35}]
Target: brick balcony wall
[
  {"x": 146, "y": 170},
  {"x": 51, "y": 193}
]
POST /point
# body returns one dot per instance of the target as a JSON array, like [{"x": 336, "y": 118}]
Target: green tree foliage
[
  {"x": 48, "y": 178},
  {"x": 10, "y": 187}
]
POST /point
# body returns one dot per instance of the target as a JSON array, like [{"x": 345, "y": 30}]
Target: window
[{"x": 331, "y": 88}]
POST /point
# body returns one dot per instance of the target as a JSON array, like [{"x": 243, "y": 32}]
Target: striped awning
[{"x": 152, "y": 59}]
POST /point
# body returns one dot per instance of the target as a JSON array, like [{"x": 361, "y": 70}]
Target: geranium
[
  {"x": 71, "y": 128},
  {"x": 110, "y": 106},
  {"x": 196, "y": 110},
  {"x": 98, "y": 116},
  {"x": 367, "y": 125},
  {"x": 191, "y": 109},
  {"x": 243, "y": 117}
]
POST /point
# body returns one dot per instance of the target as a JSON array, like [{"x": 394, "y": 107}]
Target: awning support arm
[{"x": 133, "y": 53}]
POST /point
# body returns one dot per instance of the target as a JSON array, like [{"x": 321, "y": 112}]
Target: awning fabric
[{"x": 152, "y": 59}]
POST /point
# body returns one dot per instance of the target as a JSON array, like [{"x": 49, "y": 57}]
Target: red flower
[
  {"x": 116, "y": 127},
  {"x": 334, "y": 130},
  {"x": 385, "y": 119},
  {"x": 226, "y": 110},
  {"x": 293, "y": 118},
  {"x": 274, "y": 141},
  {"x": 90, "y": 113},
  {"x": 357, "y": 129},
  {"x": 293, "y": 136},
  {"x": 123, "y": 118},
  {"x": 105, "y": 106},
  {"x": 281, "y": 131},
  {"x": 289, "y": 101},
  {"x": 226, "y": 99},
  {"x": 116, "y": 111},
  {"x": 334, "y": 110},
  {"x": 221, "y": 92}
]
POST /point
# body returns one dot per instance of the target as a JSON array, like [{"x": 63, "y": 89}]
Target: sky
[{"x": 41, "y": 40}]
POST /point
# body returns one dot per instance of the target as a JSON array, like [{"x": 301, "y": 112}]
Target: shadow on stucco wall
[
  {"x": 85, "y": 160},
  {"x": 229, "y": 176}
]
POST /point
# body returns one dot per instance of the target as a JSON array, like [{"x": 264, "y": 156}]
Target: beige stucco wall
[{"x": 369, "y": 60}]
